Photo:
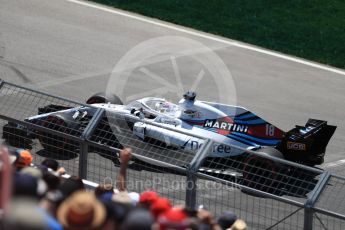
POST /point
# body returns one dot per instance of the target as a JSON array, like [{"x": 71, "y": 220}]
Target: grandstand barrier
[{"x": 267, "y": 192}]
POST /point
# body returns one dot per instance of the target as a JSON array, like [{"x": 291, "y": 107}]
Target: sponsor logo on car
[
  {"x": 216, "y": 148},
  {"x": 223, "y": 125},
  {"x": 296, "y": 146}
]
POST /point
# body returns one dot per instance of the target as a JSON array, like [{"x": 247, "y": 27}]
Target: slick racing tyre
[
  {"x": 59, "y": 146},
  {"x": 16, "y": 137},
  {"x": 262, "y": 173},
  {"x": 104, "y": 98}
]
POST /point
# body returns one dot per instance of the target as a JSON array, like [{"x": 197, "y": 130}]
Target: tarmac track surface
[{"x": 68, "y": 49}]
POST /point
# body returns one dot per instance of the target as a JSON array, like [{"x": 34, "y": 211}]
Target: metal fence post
[
  {"x": 192, "y": 169},
  {"x": 83, "y": 145},
  {"x": 312, "y": 198},
  {"x": 191, "y": 189},
  {"x": 83, "y": 149}
]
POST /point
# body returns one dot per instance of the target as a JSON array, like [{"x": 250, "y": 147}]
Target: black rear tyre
[
  {"x": 262, "y": 173},
  {"x": 16, "y": 137}
]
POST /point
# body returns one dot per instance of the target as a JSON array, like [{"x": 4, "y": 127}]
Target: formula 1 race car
[{"x": 181, "y": 126}]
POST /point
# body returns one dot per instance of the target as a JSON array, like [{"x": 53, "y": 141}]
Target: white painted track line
[
  {"x": 208, "y": 36},
  {"x": 333, "y": 164}
]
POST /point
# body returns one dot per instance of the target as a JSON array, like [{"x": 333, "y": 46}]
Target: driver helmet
[
  {"x": 162, "y": 106},
  {"x": 189, "y": 95},
  {"x": 158, "y": 106}
]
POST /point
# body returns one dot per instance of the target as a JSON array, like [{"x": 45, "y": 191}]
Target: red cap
[
  {"x": 175, "y": 218},
  {"x": 148, "y": 197},
  {"x": 160, "y": 206}
]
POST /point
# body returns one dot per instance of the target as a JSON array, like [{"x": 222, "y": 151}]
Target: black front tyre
[{"x": 59, "y": 146}]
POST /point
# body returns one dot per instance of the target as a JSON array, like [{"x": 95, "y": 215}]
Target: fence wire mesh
[
  {"x": 324, "y": 221},
  {"x": 332, "y": 198},
  {"x": 88, "y": 145},
  {"x": 272, "y": 175},
  {"x": 259, "y": 211},
  {"x": 141, "y": 176},
  {"x": 39, "y": 147},
  {"x": 20, "y": 103}
]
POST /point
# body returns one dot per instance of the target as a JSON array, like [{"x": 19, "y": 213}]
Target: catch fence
[{"x": 267, "y": 192}]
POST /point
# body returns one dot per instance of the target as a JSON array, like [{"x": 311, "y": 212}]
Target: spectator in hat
[
  {"x": 174, "y": 219},
  {"x": 24, "y": 159},
  {"x": 160, "y": 206},
  {"x": 82, "y": 211},
  {"x": 25, "y": 185},
  {"x": 227, "y": 219},
  {"x": 36, "y": 173},
  {"x": 147, "y": 198}
]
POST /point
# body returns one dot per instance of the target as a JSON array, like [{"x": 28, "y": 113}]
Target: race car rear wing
[{"x": 307, "y": 144}]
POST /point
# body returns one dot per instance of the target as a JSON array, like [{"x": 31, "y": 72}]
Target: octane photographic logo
[
  {"x": 169, "y": 184},
  {"x": 168, "y": 66}
]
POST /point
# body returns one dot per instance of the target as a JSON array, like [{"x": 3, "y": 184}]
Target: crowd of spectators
[{"x": 40, "y": 197}]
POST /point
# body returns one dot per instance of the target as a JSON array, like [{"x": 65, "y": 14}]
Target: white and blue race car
[{"x": 183, "y": 126}]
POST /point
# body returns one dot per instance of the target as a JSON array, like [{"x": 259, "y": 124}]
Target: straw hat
[{"x": 81, "y": 211}]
